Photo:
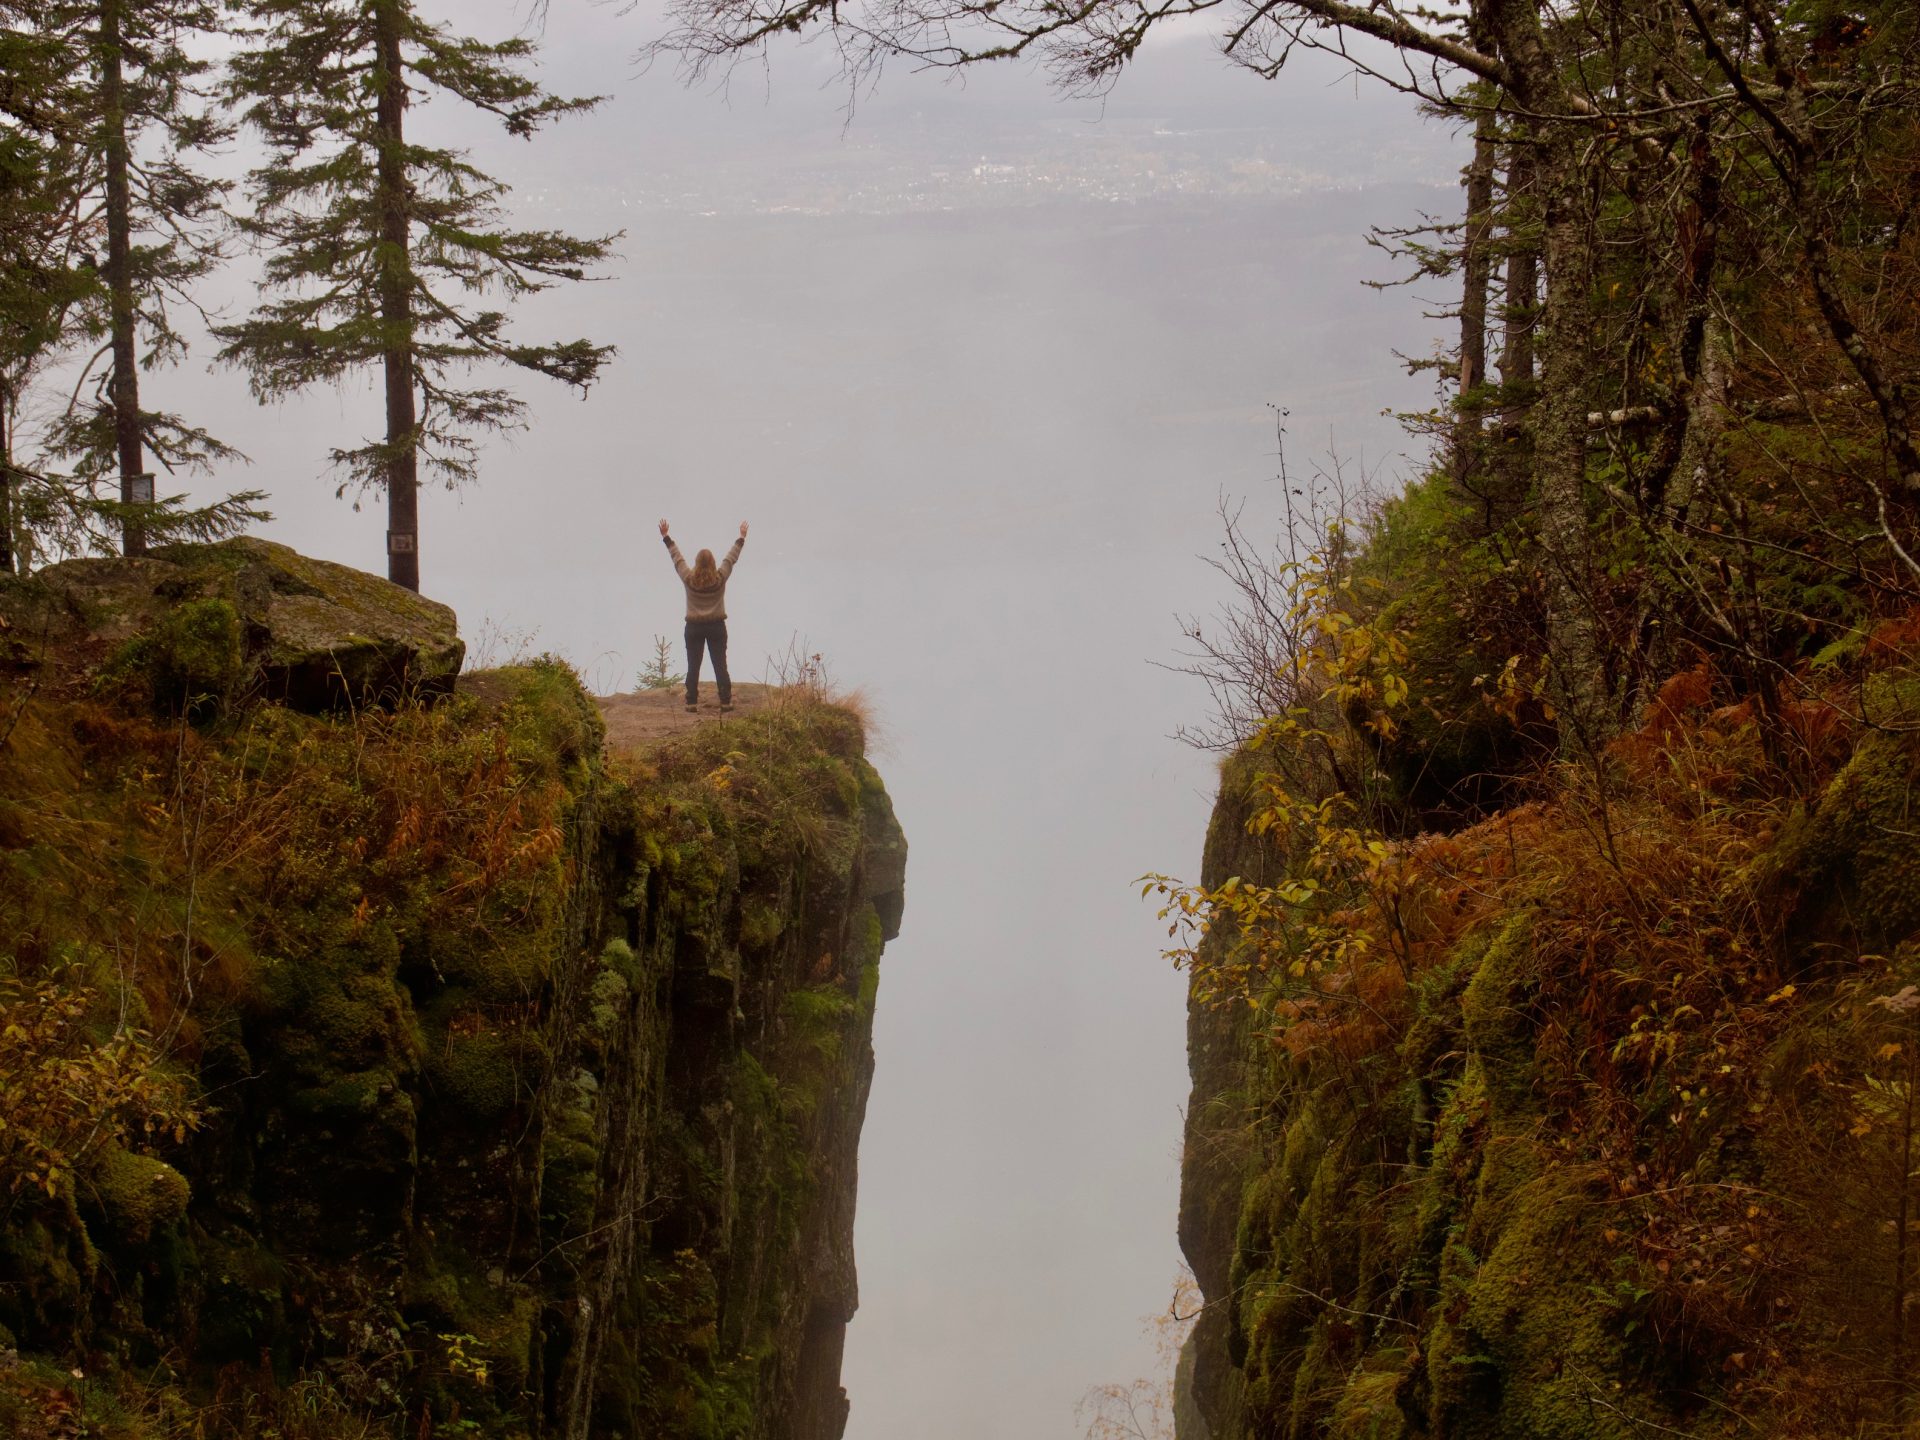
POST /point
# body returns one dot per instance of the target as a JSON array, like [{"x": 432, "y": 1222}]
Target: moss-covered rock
[
  {"x": 308, "y": 632},
  {"x": 1539, "y": 1347},
  {"x": 476, "y": 1073},
  {"x": 138, "y": 1195},
  {"x": 196, "y": 656},
  {"x": 1855, "y": 860},
  {"x": 1494, "y": 1012},
  {"x": 334, "y": 633}
]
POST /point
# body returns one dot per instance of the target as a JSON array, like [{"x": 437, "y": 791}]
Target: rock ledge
[{"x": 314, "y": 634}]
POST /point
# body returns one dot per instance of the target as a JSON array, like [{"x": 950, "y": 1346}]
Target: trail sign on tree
[{"x": 378, "y": 248}]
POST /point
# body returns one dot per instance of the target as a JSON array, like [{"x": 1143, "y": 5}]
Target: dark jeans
[{"x": 709, "y": 635}]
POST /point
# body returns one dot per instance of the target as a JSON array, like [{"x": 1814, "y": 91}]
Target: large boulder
[{"x": 307, "y": 632}]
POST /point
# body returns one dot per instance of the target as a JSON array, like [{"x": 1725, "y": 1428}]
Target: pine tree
[
  {"x": 109, "y": 93},
  {"x": 379, "y": 248},
  {"x": 41, "y": 278}
]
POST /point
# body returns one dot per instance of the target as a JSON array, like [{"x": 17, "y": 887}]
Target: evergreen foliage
[
  {"x": 657, "y": 673},
  {"x": 105, "y": 229},
  {"x": 117, "y": 226},
  {"x": 42, "y": 276},
  {"x": 383, "y": 251}
]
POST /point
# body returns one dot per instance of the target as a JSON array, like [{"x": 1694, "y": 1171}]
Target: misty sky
[{"x": 976, "y": 365}]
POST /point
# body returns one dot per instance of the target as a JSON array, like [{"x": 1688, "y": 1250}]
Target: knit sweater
[{"x": 705, "y": 604}]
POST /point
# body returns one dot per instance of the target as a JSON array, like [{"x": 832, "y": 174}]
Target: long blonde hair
[{"x": 706, "y": 575}]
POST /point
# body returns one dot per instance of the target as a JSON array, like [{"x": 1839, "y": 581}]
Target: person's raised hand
[
  {"x": 743, "y": 529},
  {"x": 663, "y": 527}
]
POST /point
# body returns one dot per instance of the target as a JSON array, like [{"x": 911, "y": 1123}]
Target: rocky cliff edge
[{"x": 382, "y": 1056}]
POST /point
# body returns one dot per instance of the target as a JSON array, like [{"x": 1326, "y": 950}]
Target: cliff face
[
  {"x": 1216, "y": 1155},
  {"x": 1612, "y": 1136},
  {"x": 427, "y": 1070}
]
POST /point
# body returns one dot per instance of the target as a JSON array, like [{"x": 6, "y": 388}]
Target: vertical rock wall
[{"x": 1612, "y": 1151}]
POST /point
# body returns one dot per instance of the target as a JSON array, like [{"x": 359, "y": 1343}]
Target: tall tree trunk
[
  {"x": 7, "y": 566},
  {"x": 396, "y": 306},
  {"x": 1522, "y": 289},
  {"x": 1560, "y": 453},
  {"x": 125, "y": 385},
  {"x": 1665, "y": 492},
  {"x": 1560, "y": 417},
  {"x": 1476, "y": 267},
  {"x": 1706, "y": 419}
]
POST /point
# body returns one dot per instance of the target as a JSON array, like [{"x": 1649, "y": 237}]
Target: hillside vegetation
[
  {"x": 1592, "y": 1115},
  {"x": 409, "y": 1067},
  {"x": 1556, "y": 960}
]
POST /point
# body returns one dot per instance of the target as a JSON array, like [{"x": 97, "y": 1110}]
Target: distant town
[{"x": 1115, "y": 161}]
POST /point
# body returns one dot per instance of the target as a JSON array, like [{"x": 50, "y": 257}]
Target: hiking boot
[
  {"x": 692, "y": 708},
  {"x": 725, "y": 705}
]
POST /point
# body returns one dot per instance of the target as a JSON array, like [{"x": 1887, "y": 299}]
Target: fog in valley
[{"x": 977, "y": 363}]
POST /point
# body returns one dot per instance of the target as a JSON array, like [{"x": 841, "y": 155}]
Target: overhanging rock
[{"x": 318, "y": 635}]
